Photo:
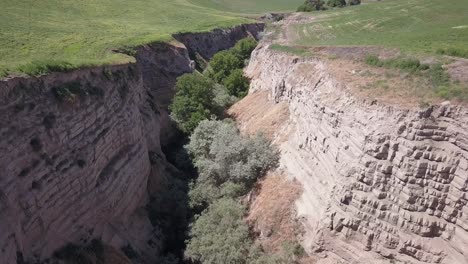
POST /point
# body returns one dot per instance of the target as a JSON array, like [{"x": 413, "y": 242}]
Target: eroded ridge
[{"x": 381, "y": 181}]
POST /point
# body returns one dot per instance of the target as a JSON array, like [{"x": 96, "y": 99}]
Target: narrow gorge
[
  {"x": 82, "y": 150},
  {"x": 363, "y": 176}
]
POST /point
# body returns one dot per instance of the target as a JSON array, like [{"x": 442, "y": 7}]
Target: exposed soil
[
  {"x": 272, "y": 213},
  {"x": 256, "y": 114},
  {"x": 459, "y": 70}
]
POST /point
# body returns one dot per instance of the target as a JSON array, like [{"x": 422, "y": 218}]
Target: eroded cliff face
[
  {"x": 381, "y": 182},
  {"x": 74, "y": 150}
]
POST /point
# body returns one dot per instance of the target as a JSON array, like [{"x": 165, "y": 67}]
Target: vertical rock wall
[
  {"x": 74, "y": 157},
  {"x": 382, "y": 183},
  {"x": 74, "y": 161}
]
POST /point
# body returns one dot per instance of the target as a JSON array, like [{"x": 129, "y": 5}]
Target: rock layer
[
  {"x": 74, "y": 151},
  {"x": 382, "y": 182}
]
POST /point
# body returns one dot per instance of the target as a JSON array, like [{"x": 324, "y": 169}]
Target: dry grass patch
[{"x": 255, "y": 113}]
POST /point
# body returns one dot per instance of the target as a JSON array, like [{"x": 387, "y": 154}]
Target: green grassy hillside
[
  {"x": 411, "y": 25},
  {"x": 250, "y": 6},
  {"x": 84, "y": 32}
]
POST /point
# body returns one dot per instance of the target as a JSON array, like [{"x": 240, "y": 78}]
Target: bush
[
  {"x": 336, "y": 3},
  {"x": 290, "y": 253},
  {"x": 438, "y": 75},
  {"x": 406, "y": 64},
  {"x": 452, "y": 91},
  {"x": 237, "y": 84},
  {"x": 244, "y": 47},
  {"x": 374, "y": 60},
  {"x": 193, "y": 101},
  {"x": 354, "y": 2},
  {"x": 311, "y": 5},
  {"x": 221, "y": 154},
  {"x": 68, "y": 92},
  {"x": 204, "y": 193},
  {"x": 3, "y": 73},
  {"x": 223, "y": 99},
  {"x": 223, "y": 63},
  {"x": 219, "y": 235}
]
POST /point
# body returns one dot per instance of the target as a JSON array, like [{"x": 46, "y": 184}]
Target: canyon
[
  {"x": 369, "y": 180},
  {"x": 81, "y": 151}
]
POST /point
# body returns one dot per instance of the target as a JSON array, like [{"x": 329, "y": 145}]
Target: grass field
[
  {"x": 415, "y": 26},
  {"x": 73, "y": 33},
  {"x": 250, "y": 6}
]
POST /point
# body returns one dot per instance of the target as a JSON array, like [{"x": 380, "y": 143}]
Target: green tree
[
  {"x": 354, "y": 2},
  {"x": 336, "y": 3},
  {"x": 221, "y": 154},
  {"x": 237, "y": 84},
  {"x": 223, "y": 63},
  {"x": 219, "y": 234},
  {"x": 193, "y": 101},
  {"x": 311, "y": 5},
  {"x": 244, "y": 47}
]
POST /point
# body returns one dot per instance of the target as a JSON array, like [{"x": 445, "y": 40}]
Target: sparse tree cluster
[
  {"x": 202, "y": 96},
  {"x": 193, "y": 101},
  {"x": 228, "y": 164},
  {"x": 317, "y": 5}
]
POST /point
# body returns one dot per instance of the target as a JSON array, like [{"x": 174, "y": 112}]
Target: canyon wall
[
  {"x": 383, "y": 183},
  {"x": 74, "y": 150}
]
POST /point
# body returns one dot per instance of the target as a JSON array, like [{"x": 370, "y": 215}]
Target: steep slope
[
  {"x": 81, "y": 150},
  {"x": 382, "y": 181}
]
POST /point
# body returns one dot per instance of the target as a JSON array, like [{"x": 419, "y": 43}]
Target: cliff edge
[
  {"x": 80, "y": 151},
  {"x": 382, "y": 182}
]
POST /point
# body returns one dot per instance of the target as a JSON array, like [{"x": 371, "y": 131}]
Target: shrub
[
  {"x": 232, "y": 190},
  {"x": 237, "y": 84},
  {"x": 223, "y": 99},
  {"x": 223, "y": 63},
  {"x": 311, "y": 5},
  {"x": 438, "y": 75},
  {"x": 68, "y": 92},
  {"x": 354, "y": 2},
  {"x": 193, "y": 101},
  {"x": 219, "y": 234},
  {"x": 406, "y": 64},
  {"x": 204, "y": 193},
  {"x": 43, "y": 67},
  {"x": 452, "y": 91},
  {"x": 244, "y": 47},
  {"x": 289, "y": 253},
  {"x": 221, "y": 154},
  {"x": 227, "y": 163},
  {"x": 374, "y": 60},
  {"x": 336, "y": 3},
  {"x": 3, "y": 73}
]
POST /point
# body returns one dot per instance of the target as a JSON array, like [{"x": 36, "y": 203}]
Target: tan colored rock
[{"x": 382, "y": 182}]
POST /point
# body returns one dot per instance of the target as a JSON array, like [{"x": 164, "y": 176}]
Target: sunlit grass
[
  {"x": 416, "y": 26},
  {"x": 250, "y": 6},
  {"x": 86, "y": 32}
]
